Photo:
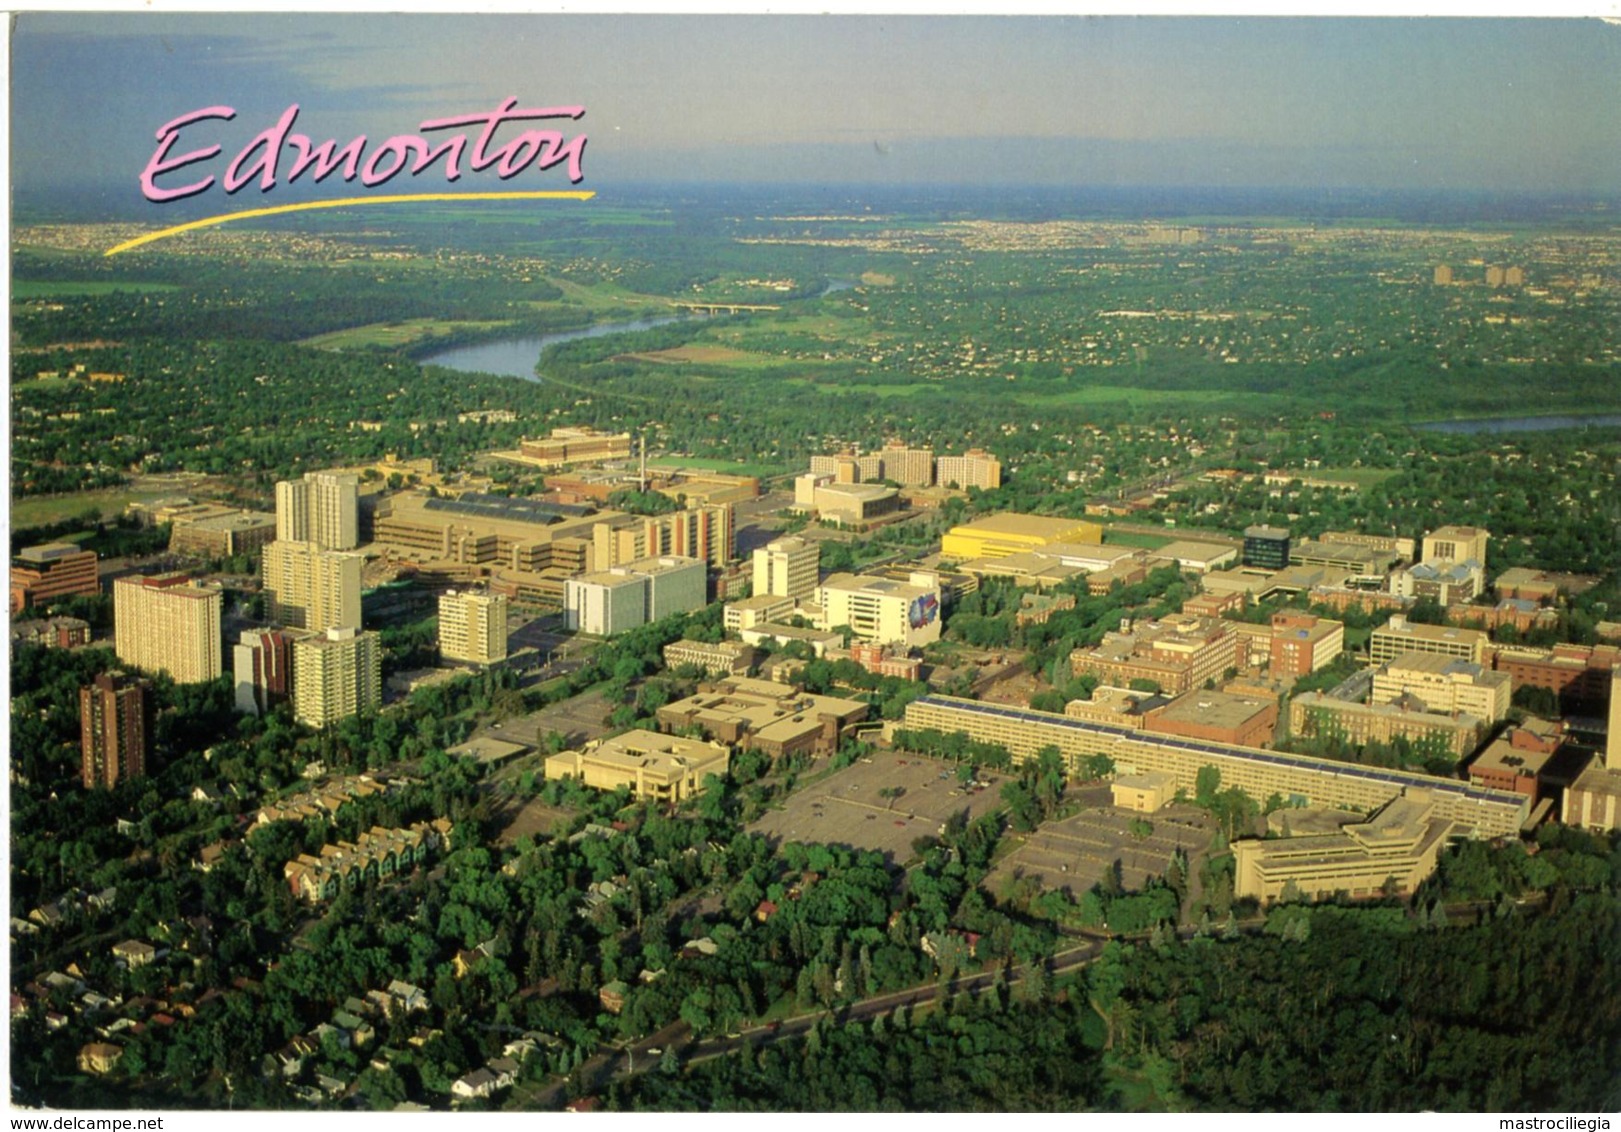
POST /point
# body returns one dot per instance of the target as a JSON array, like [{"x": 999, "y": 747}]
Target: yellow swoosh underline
[{"x": 346, "y": 202}]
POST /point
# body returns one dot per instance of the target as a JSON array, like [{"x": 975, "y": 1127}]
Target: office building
[
  {"x": 42, "y": 574},
  {"x": 262, "y": 663},
  {"x": 1007, "y": 533},
  {"x": 166, "y": 623},
  {"x": 1266, "y": 548},
  {"x": 720, "y": 658},
  {"x": 765, "y": 716},
  {"x": 882, "y": 610},
  {"x": 1302, "y": 643},
  {"x": 974, "y": 468},
  {"x": 1398, "y": 636},
  {"x": 634, "y": 594},
  {"x": 1313, "y": 715},
  {"x": 307, "y": 587},
  {"x": 1391, "y": 853},
  {"x": 336, "y": 674},
  {"x": 1247, "y": 721},
  {"x": 787, "y": 567},
  {"x": 208, "y": 530},
  {"x": 115, "y": 723},
  {"x": 576, "y": 446},
  {"x": 1299, "y": 779},
  {"x": 1456, "y": 544},
  {"x": 322, "y": 508},
  {"x": 656, "y": 768},
  {"x": 1445, "y": 684},
  {"x": 1176, "y": 654},
  {"x": 473, "y": 627}
]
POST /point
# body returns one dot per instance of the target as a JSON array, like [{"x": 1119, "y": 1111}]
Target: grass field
[
  {"x": 405, "y": 333},
  {"x": 31, "y": 289},
  {"x": 110, "y": 502}
]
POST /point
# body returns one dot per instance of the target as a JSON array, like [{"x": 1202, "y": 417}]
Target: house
[
  {"x": 99, "y": 1057},
  {"x": 133, "y": 953},
  {"x": 612, "y": 996},
  {"x": 478, "y": 1083}
]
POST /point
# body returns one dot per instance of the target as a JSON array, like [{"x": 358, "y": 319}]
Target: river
[
  {"x": 517, "y": 357},
  {"x": 1522, "y": 424}
]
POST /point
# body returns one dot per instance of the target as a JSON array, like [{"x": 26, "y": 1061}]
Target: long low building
[
  {"x": 1392, "y": 852},
  {"x": 1298, "y": 779}
]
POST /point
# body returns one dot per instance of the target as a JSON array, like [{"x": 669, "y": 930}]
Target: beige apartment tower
[
  {"x": 307, "y": 587},
  {"x": 336, "y": 675},
  {"x": 322, "y": 508},
  {"x": 166, "y": 623},
  {"x": 473, "y": 627},
  {"x": 787, "y": 567}
]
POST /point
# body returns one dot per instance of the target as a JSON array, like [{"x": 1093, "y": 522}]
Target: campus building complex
[{"x": 1297, "y": 779}]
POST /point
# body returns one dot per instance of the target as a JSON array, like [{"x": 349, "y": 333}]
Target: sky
[{"x": 1443, "y": 103}]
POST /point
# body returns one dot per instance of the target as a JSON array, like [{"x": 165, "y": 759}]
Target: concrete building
[
  {"x": 322, "y": 508},
  {"x": 1456, "y": 544},
  {"x": 998, "y": 536},
  {"x": 658, "y": 768},
  {"x": 722, "y": 658},
  {"x": 166, "y": 623},
  {"x": 1313, "y": 715},
  {"x": 1177, "y": 653},
  {"x": 1392, "y": 852},
  {"x": 907, "y": 466},
  {"x": 473, "y": 626},
  {"x": 336, "y": 675},
  {"x": 882, "y": 610},
  {"x": 787, "y": 567},
  {"x": 1299, "y": 779},
  {"x": 308, "y": 587},
  {"x": 1446, "y": 582},
  {"x": 634, "y": 594},
  {"x": 1444, "y": 684},
  {"x": 576, "y": 445},
  {"x": 42, "y": 574},
  {"x": 974, "y": 468},
  {"x": 211, "y": 531},
  {"x": 1577, "y": 674},
  {"x": 1398, "y": 636},
  {"x": 1246, "y": 721},
  {"x": 759, "y": 714},
  {"x": 262, "y": 663},
  {"x": 115, "y": 725},
  {"x": 1303, "y": 643},
  {"x": 1266, "y": 547}
]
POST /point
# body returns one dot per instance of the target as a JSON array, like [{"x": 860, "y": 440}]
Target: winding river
[{"x": 516, "y": 357}]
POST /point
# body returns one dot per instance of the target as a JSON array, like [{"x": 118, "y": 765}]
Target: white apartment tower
[
  {"x": 473, "y": 627},
  {"x": 323, "y": 508},
  {"x": 307, "y": 587},
  {"x": 787, "y": 567}
]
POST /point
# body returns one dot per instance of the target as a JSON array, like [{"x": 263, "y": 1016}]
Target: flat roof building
[
  {"x": 473, "y": 626},
  {"x": 997, "y": 536},
  {"x": 167, "y": 623},
  {"x": 659, "y": 768},
  {"x": 1392, "y": 852},
  {"x": 882, "y": 609},
  {"x": 41, "y": 574},
  {"x": 1299, "y": 779},
  {"x": 1399, "y": 635},
  {"x": 634, "y": 594},
  {"x": 766, "y": 716}
]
